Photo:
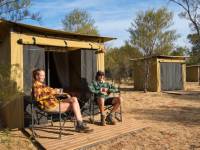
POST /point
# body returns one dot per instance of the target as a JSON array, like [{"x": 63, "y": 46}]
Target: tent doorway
[
  {"x": 171, "y": 76},
  {"x": 72, "y": 70}
]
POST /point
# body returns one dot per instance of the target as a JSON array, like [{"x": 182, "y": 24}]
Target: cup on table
[{"x": 60, "y": 91}]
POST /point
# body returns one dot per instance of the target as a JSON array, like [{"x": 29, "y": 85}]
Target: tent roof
[
  {"x": 161, "y": 57},
  {"x": 50, "y": 32},
  {"x": 194, "y": 65}
]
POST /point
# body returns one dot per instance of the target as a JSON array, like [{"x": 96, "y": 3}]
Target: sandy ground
[
  {"x": 173, "y": 120},
  {"x": 15, "y": 140}
]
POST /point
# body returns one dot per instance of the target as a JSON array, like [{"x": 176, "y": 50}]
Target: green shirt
[{"x": 95, "y": 87}]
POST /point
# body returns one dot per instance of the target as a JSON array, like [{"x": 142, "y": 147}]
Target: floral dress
[{"x": 45, "y": 96}]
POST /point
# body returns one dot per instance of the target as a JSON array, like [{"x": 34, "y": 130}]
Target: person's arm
[
  {"x": 112, "y": 89},
  {"x": 51, "y": 90},
  {"x": 93, "y": 88}
]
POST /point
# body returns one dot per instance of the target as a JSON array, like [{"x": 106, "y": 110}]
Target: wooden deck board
[
  {"x": 73, "y": 140},
  {"x": 96, "y": 137}
]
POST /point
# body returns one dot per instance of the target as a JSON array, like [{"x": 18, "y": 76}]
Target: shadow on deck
[{"x": 72, "y": 140}]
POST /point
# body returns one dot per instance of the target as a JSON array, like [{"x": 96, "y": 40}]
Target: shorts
[{"x": 108, "y": 101}]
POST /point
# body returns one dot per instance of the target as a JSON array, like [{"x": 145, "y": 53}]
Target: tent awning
[{"x": 22, "y": 28}]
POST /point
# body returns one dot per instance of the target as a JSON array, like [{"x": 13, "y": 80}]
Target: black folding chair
[
  {"x": 94, "y": 106},
  {"x": 35, "y": 120}
]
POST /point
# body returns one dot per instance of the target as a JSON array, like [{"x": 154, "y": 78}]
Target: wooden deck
[{"x": 73, "y": 140}]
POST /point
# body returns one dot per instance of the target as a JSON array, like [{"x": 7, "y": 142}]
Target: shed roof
[
  {"x": 161, "y": 57},
  {"x": 193, "y": 65},
  {"x": 20, "y": 27}
]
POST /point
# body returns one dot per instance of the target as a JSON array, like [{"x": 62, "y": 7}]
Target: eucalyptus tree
[
  {"x": 80, "y": 21},
  {"x": 150, "y": 32}
]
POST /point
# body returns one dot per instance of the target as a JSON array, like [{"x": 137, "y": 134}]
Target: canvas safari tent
[
  {"x": 193, "y": 73},
  {"x": 69, "y": 59},
  {"x": 166, "y": 73}
]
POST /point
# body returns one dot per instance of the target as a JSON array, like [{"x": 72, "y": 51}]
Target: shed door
[{"x": 171, "y": 76}]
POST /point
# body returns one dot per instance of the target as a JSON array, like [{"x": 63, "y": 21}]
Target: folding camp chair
[
  {"x": 94, "y": 106},
  {"x": 35, "y": 104}
]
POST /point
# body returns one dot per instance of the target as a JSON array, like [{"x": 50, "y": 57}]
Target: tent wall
[
  {"x": 100, "y": 62},
  {"x": 12, "y": 112},
  {"x": 83, "y": 66},
  {"x": 193, "y": 73},
  {"x": 139, "y": 76},
  {"x": 179, "y": 61},
  {"x": 5, "y": 59},
  {"x": 5, "y": 55},
  {"x": 171, "y": 76}
]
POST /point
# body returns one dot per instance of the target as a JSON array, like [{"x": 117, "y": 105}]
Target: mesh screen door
[{"x": 171, "y": 76}]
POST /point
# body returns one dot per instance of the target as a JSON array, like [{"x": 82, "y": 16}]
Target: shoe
[
  {"x": 82, "y": 128},
  {"x": 103, "y": 122},
  {"x": 110, "y": 119}
]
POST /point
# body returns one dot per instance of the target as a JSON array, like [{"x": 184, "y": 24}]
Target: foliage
[
  {"x": 179, "y": 51},
  {"x": 8, "y": 88},
  {"x": 17, "y": 10},
  {"x": 195, "y": 52},
  {"x": 117, "y": 61},
  {"x": 80, "y": 21},
  {"x": 191, "y": 12},
  {"x": 5, "y": 138},
  {"x": 150, "y": 33}
]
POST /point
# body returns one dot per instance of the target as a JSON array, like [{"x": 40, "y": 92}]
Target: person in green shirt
[{"x": 101, "y": 90}]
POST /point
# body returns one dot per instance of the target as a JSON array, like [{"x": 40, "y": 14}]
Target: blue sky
[{"x": 112, "y": 17}]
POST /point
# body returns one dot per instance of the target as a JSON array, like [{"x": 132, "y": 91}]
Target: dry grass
[{"x": 14, "y": 140}]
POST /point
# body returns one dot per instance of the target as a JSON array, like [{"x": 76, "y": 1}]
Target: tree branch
[
  {"x": 187, "y": 9},
  {"x": 6, "y": 3},
  {"x": 179, "y": 4}
]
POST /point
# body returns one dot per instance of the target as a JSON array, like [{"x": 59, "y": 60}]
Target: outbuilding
[
  {"x": 193, "y": 73},
  {"x": 166, "y": 73}
]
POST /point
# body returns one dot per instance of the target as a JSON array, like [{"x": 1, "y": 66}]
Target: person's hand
[
  {"x": 104, "y": 91},
  {"x": 56, "y": 91}
]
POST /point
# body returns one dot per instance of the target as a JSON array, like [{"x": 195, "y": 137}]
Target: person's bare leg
[
  {"x": 76, "y": 108},
  {"x": 100, "y": 102},
  {"x": 72, "y": 104},
  {"x": 64, "y": 107},
  {"x": 116, "y": 103},
  {"x": 101, "y": 109},
  {"x": 110, "y": 117}
]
